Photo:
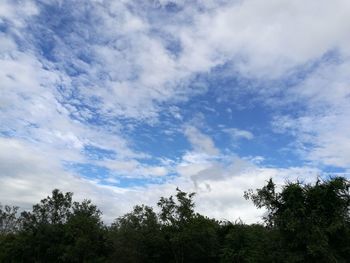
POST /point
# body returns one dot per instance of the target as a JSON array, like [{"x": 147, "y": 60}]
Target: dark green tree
[
  {"x": 190, "y": 237},
  {"x": 136, "y": 237},
  {"x": 8, "y": 219},
  {"x": 303, "y": 223},
  {"x": 58, "y": 230},
  {"x": 9, "y": 225},
  {"x": 313, "y": 221},
  {"x": 41, "y": 235},
  {"x": 85, "y": 234},
  {"x": 247, "y": 243}
]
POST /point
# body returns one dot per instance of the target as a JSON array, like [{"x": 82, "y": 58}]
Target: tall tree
[
  {"x": 313, "y": 221},
  {"x": 247, "y": 243},
  {"x": 58, "y": 230},
  {"x": 8, "y": 219},
  {"x": 136, "y": 237},
  {"x": 191, "y": 237}
]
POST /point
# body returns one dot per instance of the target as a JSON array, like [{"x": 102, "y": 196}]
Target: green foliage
[
  {"x": 247, "y": 243},
  {"x": 312, "y": 220},
  {"x": 85, "y": 234},
  {"x": 8, "y": 219},
  {"x": 189, "y": 236},
  {"x": 303, "y": 223},
  {"x": 57, "y": 230},
  {"x": 136, "y": 237}
]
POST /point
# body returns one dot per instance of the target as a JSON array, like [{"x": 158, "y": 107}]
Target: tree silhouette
[
  {"x": 312, "y": 221},
  {"x": 302, "y": 223}
]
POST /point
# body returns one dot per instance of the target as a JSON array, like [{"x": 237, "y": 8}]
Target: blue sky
[{"x": 123, "y": 101}]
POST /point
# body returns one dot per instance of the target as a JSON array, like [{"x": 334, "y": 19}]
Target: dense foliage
[{"x": 303, "y": 223}]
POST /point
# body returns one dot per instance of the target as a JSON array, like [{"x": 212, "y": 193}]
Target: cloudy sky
[{"x": 123, "y": 101}]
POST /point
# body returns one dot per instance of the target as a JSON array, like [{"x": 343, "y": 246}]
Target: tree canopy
[{"x": 303, "y": 223}]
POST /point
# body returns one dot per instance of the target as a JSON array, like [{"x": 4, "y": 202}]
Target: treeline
[{"x": 303, "y": 223}]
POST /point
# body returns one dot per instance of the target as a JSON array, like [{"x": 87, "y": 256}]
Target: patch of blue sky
[
  {"x": 159, "y": 141},
  {"x": 174, "y": 47},
  {"x": 4, "y": 27},
  {"x": 145, "y": 7},
  {"x": 173, "y": 7},
  {"x": 97, "y": 153},
  {"x": 302, "y": 72},
  {"x": 7, "y": 29},
  {"x": 125, "y": 182},
  {"x": 62, "y": 18},
  {"x": 332, "y": 170},
  {"x": 255, "y": 120},
  {"x": 229, "y": 102},
  {"x": 58, "y": 27},
  {"x": 7, "y": 133},
  {"x": 162, "y": 14},
  {"x": 88, "y": 170},
  {"x": 105, "y": 176},
  {"x": 220, "y": 110},
  {"x": 170, "y": 41}
]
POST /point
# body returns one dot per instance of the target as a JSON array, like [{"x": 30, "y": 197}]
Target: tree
[
  {"x": 136, "y": 237},
  {"x": 303, "y": 223},
  {"x": 42, "y": 237},
  {"x": 9, "y": 225},
  {"x": 8, "y": 219},
  {"x": 58, "y": 230},
  {"x": 313, "y": 221},
  {"x": 54, "y": 209},
  {"x": 85, "y": 234},
  {"x": 247, "y": 243},
  {"x": 191, "y": 237}
]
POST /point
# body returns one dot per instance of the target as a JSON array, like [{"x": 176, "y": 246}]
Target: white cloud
[
  {"x": 266, "y": 39},
  {"x": 261, "y": 39},
  {"x": 134, "y": 169},
  {"x": 28, "y": 176},
  {"x": 132, "y": 74},
  {"x": 239, "y": 134},
  {"x": 16, "y": 12},
  {"x": 220, "y": 183},
  {"x": 199, "y": 141},
  {"x": 322, "y": 128},
  {"x": 225, "y": 199}
]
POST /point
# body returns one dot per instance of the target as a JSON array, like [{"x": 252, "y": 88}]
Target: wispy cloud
[
  {"x": 199, "y": 141},
  {"x": 239, "y": 134}
]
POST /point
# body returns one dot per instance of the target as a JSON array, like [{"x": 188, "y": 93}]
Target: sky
[{"x": 123, "y": 101}]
